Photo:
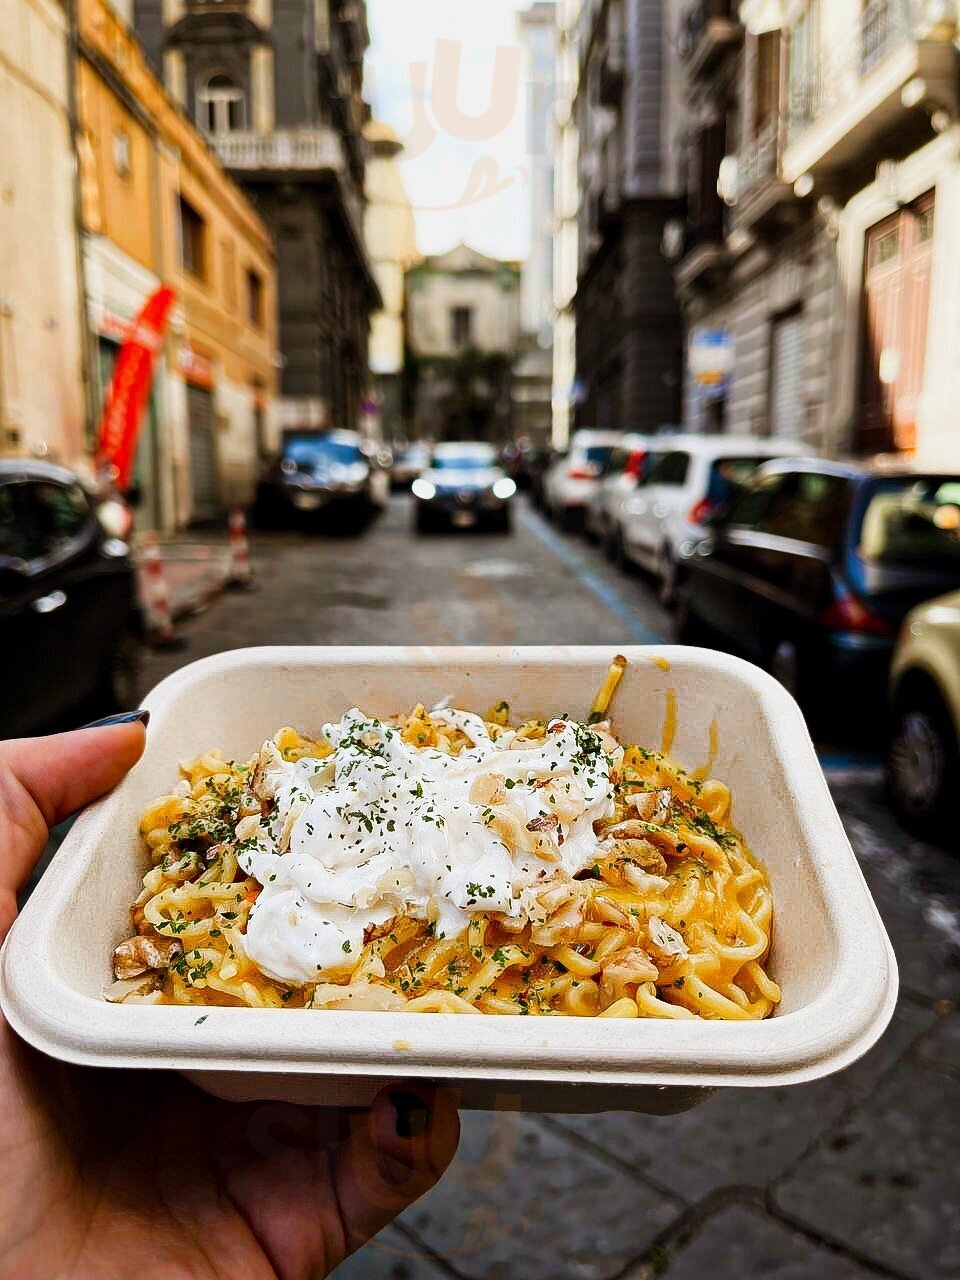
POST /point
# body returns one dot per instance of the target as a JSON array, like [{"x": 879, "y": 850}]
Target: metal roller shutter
[
  {"x": 786, "y": 377},
  {"x": 204, "y": 484}
]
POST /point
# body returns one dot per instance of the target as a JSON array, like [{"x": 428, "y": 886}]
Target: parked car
[
  {"x": 332, "y": 472},
  {"x": 69, "y": 621},
  {"x": 539, "y": 463},
  {"x": 811, "y": 571},
  {"x": 692, "y": 477},
  {"x": 625, "y": 469},
  {"x": 574, "y": 476},
  {"x": 462, "y": 488},
  {"x": 408, "y": 462},
  {"x": 923, "y": 757}
]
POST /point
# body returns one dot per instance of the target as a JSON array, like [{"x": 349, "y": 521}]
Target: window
[
  {"x": 729, "y": 476},
  {"x": 63, "y": 512},
  {"x": 193, "y": 235},
  {"x": 461, "y": 326},
  {"x": 221, "y": 106},
  {"x": 749, "y": 509},
  {"x": 811, "y": 507},
  {"x": 255, "y": 299},
  {"x": 766, "y": 101},
  {"x": 671, "y": 469},
  {"x": 913, "y": 522},
  {"x": 228, "y": 257},
  {"x": 19, "y": 537},
  {"x": 121, "y": 153}
]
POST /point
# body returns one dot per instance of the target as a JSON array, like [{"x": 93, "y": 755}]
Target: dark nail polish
[
  {"x": 124, "y": 717},
  {"x": 410, "y": 1111}
]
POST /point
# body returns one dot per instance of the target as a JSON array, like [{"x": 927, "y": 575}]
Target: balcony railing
[
  {"x": 301, "y": 151},
  {"x": 758, "y": 162},
  {"x": 884, "y": 26}
]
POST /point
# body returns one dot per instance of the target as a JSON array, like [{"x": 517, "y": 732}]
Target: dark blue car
[{"x": 811, "y": 570}]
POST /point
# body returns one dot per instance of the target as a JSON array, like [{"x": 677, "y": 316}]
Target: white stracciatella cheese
[{"x": 382, "y": 828}]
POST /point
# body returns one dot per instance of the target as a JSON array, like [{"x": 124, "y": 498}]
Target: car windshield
[
  {"x": 597, "y": 454},
  {"x": 913, "y": 521},
  {"x": 463, "y": 462},
  {"x": 319, "y": 451},
  {"x": 728, "y": 476}
]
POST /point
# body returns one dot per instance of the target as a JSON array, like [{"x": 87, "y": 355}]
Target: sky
[{"x": 447, "y": 75}]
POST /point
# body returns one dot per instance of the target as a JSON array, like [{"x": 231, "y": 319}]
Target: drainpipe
[{"x": 89, "y": 382}]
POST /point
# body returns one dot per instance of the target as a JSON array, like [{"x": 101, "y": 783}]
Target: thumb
[
  {"x": 43, "y": 781},
  {"x": 395, "y": 1153}
]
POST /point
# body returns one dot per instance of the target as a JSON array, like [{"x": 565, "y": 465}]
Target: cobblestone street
[{"x": 846, "y": 1178}]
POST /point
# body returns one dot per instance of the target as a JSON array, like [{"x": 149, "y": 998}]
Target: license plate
[
  {"x": 308, "y": 501},
  {"x": 464, "y": 519}
]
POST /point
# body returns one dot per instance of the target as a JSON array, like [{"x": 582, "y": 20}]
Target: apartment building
[
  {"x": 157, "y": 208},
  {"x": 566, "y": 209},
  {"x": 391, "y": 236},
  {"x": 464, "y": 326},
  {"x": 629, "y": 112},
  {"x": 817, "y": 265},
  {"x": 277, "y": 89},
  {"x": 42, "y": 409}
]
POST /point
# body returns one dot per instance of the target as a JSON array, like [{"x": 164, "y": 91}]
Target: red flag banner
[{"x": 129, "y": 392}]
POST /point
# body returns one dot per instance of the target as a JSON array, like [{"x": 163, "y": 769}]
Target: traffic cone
[
  {"x": 240, "y": 574},
  {"x": 157, "y": 607}
]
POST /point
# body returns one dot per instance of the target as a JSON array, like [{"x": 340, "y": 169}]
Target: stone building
[
  {"x": 565, "y": 145},
  {"x": 158, "y": 208},
  {"x": 391, "y": 235},
  {"x": 818, "y": 257},
  {"x": 629, "y": 112},
  {"x": 42, "y": 409},
  {"x": 463, "y": 320},
  {"x": 277, "y": 88}
]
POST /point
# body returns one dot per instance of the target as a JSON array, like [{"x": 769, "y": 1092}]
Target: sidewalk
[{"x": 196, "y": 567}]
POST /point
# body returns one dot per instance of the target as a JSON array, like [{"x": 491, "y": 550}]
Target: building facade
[
  {"x": 277, "y": 88},
  {"x": 629, "y": 111},
  {"x": 566, "y": 208},
  {"x": 42, "y": 367},
  {"x": 157, "y": 208},
  {"x": 817, "y": 266},
  {"x": 391, "y": 236},
  {"x": 464, "y": 324}
]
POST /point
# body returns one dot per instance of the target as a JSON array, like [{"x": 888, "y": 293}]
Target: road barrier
[
  {"x": 157, "y": 606},
  {"x": 240, "y": 575}
]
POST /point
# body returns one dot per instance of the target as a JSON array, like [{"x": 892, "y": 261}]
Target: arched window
[{"x": 221, "y": 105}]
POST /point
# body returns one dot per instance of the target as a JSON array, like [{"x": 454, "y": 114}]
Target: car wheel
[
  {"x": 668, "y": 572},
  {"x": 502, "y": 521},
  {"x": 923, "y": 760},
  {"x": 119, "y": 688},
  {"x": 687, "y": 627}
]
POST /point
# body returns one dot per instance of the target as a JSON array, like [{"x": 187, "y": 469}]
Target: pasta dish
[{"x": 448, "y": 862}]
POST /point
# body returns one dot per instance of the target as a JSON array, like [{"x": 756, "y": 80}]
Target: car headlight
[
  {"x": 504, "y": 489},
  {"x": 423, "y": 489}
]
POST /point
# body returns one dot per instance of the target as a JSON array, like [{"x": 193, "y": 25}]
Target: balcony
[
  {"x": 300, "y": 153},
  {"x": 763, "y": 198},
  {"x": 845, "y": 110},
  {"x": 710, "y": 30}
]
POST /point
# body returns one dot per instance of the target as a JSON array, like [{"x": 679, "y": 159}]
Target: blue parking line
[{"x": 605, "y": 592}]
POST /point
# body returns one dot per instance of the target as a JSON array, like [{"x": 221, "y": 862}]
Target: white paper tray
[{"x": 830, "y": 953}]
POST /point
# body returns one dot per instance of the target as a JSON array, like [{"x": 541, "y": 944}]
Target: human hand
[{"x": 110, "y": 1173}]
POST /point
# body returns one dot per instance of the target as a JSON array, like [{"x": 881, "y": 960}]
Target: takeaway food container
[{"x": 830, "y": 952}]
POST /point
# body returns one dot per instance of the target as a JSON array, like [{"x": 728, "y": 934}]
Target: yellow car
[{"x": 923, "y": 764}]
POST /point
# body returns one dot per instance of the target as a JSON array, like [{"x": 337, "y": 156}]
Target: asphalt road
[{"x": 850, "y": 1177}]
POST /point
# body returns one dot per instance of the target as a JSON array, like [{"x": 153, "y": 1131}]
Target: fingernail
[
  {"x": 410, "y": 1113},
  {"x": 123, "y": 717}
]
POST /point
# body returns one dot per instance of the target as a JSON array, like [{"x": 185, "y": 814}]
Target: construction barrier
[
  {"x": 240, "y": 574},
  {"x": 157, "y": 605}
]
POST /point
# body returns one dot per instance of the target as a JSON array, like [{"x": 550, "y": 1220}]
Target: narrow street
[{"x": 836, "y": 1180}]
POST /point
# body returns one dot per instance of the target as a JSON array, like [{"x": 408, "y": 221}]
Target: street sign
[{"x": 711, "y": 361}]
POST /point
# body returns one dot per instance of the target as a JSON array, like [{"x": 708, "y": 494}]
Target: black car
[
  {"x": 68, "y": 602},
  {"x": 331, "y": 473},
  {"x": 811, "y": 570},
  {"x": 463, "y": 488}
]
